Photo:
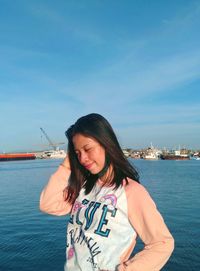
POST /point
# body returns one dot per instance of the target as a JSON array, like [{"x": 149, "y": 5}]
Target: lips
[{"x": 88, "y": 166}]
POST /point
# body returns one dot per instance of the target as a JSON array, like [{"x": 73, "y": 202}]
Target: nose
[{"x": 83, "y": 158}]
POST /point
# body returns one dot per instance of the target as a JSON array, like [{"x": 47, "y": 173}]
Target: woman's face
[{"x": 90, "y": 153}]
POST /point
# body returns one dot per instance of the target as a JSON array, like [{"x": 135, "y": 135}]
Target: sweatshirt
[{"x": 104, "y": 226}]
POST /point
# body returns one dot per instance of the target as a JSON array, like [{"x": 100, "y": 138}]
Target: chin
[
  {"x": 95, "y": 171},
  {"x": 98, "y": 171}
]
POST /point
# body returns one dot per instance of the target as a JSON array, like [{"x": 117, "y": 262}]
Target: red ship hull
[{"x": 17, "y": 156}]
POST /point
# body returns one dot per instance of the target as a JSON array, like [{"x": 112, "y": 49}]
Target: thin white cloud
[
  {"x": 114, "y": 85},
  {"x": 68, "y": 24},
  {"x": 159, "y": 76},
  {"x": 168, "y": 73},
  {"x": 185, "y": 17}
]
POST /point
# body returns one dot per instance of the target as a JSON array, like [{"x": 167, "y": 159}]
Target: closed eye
[{"x": 89, "y": 149}]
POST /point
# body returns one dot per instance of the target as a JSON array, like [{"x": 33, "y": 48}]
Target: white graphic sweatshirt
[{"x": 104, "y": 225}]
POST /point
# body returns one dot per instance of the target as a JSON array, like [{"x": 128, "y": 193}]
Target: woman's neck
[{"x": 107, "y": 178}]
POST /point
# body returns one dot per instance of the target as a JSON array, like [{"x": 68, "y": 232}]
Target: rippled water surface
[{"x": 31, "y": 240}]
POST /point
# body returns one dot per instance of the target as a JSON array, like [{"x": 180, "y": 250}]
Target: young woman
[{"x": 108, "y": 206}]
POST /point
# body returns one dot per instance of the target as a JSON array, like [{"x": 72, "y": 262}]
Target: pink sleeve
[
  {"x": 150, "y": 226},
  {"x": 52, "y": 199}
]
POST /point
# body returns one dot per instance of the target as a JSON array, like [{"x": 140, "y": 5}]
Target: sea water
[{"x": 31, "y": 240}]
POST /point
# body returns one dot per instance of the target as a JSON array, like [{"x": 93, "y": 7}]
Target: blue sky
[{"x": 135, "y": 62}]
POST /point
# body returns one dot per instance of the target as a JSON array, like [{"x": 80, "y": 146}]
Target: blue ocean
[{"x": 31, "y": 240}]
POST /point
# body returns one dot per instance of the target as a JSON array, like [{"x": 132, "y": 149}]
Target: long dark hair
[{"x": 97, "y": 127}]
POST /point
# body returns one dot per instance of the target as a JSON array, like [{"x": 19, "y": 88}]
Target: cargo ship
[
  {"x": 16, "y": 156},
  {"x": 174, "y": 156}
]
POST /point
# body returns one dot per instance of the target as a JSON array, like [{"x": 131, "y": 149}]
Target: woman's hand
[{"x": 65, "y": 163}]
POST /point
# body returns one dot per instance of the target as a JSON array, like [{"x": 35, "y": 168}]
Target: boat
[
  {"x": 151, "y": 153},
  {"x": 126, "y": 153},
  {"x": 196, "y": 157},
  {"x": 53, "y": 154},
  {"x": 174, "y": 156},
  {"x": 16, "y": 156}
]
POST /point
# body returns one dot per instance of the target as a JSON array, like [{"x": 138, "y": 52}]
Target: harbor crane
[{"x": 55, "y": 146}]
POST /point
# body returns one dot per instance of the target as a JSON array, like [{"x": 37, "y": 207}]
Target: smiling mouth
[{"x": 88, "y": 166}]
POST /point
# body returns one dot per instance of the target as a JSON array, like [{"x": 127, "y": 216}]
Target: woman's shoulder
[
  {"x": 132, "y": 185},
  {"x": 135, "y": 191}
]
